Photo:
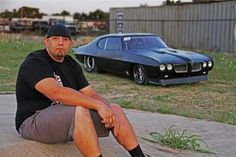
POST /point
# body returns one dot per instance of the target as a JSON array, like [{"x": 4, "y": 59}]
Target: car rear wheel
[
  {"x": 90, "y": 64},
  {"x": 140, "y": 75}
]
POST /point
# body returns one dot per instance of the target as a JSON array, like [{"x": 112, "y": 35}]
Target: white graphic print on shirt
[{"x": 58, "y": 78}]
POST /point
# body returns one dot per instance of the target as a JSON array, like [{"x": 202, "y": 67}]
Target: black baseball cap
[{"x": 59, "y": 30}]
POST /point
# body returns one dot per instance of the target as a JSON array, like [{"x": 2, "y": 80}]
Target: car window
[
  {"x": 101, "y": 43},
  {"x": 113, "y": 43},
  {"x": 143, "y": 42}
]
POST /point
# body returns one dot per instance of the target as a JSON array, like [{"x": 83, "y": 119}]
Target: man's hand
[
  {"x": 113, "y": 122},
  {"x": 107, "y": 115},
  {"x": 116, "y": 122}
]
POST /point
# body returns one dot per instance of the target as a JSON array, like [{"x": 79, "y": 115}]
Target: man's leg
[
  {"x": 84, "y": 135},
  {"x": 126, "y": 135},
  {"x": 51, "y": 125}
]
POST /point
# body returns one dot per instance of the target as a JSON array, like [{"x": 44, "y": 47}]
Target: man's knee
[
  {"x": 82, "y": 112},
  {"x": 82, "y": 120},
  {"x": 117, "y": 108},
  {"x": 120, "y": 113},
  {"x": 82, "y": 117}
]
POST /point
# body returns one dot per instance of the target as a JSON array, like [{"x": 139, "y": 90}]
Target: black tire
[
  {"x": 90, "y": 64},
  {"x": 140, "y": 75}
]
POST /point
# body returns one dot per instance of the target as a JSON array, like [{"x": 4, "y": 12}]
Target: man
[{"x": 56, "y": 104}]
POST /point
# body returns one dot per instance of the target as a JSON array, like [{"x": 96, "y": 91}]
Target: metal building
[{"x": 206, "y": 26}]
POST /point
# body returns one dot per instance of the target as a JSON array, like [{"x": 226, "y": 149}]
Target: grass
[
  {"x": 213, "y": 100},
  {"x": 12, "y": 52},
  {"x": 180, "y": 140}
]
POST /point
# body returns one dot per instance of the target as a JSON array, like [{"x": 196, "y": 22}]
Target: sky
[{"x": 56, "y": 6}]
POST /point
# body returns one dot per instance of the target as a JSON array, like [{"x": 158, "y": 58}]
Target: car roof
[{"x": 126, "y": 34}]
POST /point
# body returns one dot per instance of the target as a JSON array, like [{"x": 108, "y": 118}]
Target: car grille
[
  {"x": 196, "y": 67},
  {"x": 183, "y": 68}
]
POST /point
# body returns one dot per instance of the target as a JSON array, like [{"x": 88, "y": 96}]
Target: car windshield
[{"x": 143, "y": 42}]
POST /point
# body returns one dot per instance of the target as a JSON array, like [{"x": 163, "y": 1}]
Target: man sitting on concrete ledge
[{"x": 56, "y": 104}]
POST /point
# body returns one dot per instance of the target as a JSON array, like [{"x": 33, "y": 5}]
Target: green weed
[
  {"x": 161, "y": 97},
  {"x": 165, "y": 110},
  {"x": 228, "y": 117},
  {"x": 182, "y": 140},
  {"x": 125, "y": 104}
]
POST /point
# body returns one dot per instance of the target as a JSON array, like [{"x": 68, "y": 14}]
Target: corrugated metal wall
[{"x": 195, "y": 26}]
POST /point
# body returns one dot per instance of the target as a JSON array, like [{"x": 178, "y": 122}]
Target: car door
[{"x": 112, "y": 55}]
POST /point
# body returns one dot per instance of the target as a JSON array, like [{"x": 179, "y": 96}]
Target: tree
[
  {"x": 171, "y": 2},
  {"x": 63, "y": 13},
  {"x": 84, "y": 16},
  {"x": 6, "y": 14},
  {"x": 22, "y": 12},
  {"x": 29, "y": 12},
  {"x": 15, "y": 13},
  {"x": 76, "y": 16},
  {"x": 98, "y": 15},
  {"x": 143, "y": 5}
]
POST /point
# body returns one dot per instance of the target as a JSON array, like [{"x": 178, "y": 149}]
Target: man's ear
[
  {"x": 72, "y": 42},
  {"x": 45, "y": 41}
]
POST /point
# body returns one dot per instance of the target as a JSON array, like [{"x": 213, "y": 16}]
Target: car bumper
[{"x": 182, "y": 80}]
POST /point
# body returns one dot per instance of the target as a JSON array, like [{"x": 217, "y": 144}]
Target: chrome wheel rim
[
  {"x": 139, "y": 74},
  {"x": 90, "y": 63}
]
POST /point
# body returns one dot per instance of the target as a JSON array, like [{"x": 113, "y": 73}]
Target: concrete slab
[{"x": 221, "y": 138}]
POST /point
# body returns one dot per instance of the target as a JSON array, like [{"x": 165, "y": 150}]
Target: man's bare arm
[
  {"x": 91, "y": 93},
  {"x": 68, "y": 96}
]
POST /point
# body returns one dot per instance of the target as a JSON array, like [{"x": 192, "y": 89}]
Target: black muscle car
[{"x": 145, "y": 58}]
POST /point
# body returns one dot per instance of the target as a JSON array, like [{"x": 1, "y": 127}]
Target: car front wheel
[
  {"x": 90, "y": 64},
  {"x": 140, "y": 75}
]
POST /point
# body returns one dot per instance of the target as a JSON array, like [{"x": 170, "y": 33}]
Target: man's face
[{"x": 58, "y": 47}]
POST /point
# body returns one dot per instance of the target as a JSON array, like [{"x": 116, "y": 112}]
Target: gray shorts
[{"x": 55, "y": 124}]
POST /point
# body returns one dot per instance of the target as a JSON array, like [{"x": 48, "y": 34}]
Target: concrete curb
[{"x": 221, "y": 138}]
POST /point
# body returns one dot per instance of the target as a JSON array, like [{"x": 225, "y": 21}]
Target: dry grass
[
  {"x": 202, "y": 100},
  {"x": 212, "y": 100}
]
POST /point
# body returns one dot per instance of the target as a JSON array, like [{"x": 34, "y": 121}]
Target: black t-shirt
[{"x": 37, "y": 66}]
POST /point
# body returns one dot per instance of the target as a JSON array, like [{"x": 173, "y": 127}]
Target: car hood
[{"x": 169, "y": 55}]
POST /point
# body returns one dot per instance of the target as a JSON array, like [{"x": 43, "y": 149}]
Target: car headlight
[
  {"x": 162, "y": 67},
  {"x": 210, "y": 64},
  {"x": 204, "y": 64},
  {"x": 169, "y": 67}
]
